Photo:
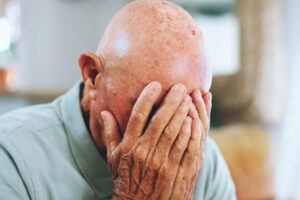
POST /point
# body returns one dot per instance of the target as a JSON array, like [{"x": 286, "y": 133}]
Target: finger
[
  {"x": 190, "y": 164},
  {"x": 193, "y": 113},
  {"x": 171, "y": 131},
  {"x": 207, "y": 97},
  {"x": 200, "y": 105},
  {"x": 164, "y": 113},
  {"x": 181, "y": 143},
  {"x": 111, "y": 132},
  {"x": 194, "y": 144},
  {"x": 191, "y": 161},
  {"x": 141, "y": 111}
]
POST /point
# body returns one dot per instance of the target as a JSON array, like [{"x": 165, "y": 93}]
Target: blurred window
[
  {"x": 9, "y": 37},
  {"x": 5, "y": 39},
  {"x": 217, "y": 20}
]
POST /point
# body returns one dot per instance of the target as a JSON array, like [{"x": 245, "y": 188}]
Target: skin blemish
[
  {"x": 168, "y": 42},
  {"x": 193, "y": 32}
]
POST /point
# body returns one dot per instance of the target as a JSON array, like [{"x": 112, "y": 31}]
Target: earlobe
[{"x": 90, "y": 65}]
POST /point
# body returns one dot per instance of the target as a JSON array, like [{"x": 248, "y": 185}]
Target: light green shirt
[{"x": 46, "y": 152}]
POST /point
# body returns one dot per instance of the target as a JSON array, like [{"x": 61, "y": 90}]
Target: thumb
[{"x": 111, "y": 132}]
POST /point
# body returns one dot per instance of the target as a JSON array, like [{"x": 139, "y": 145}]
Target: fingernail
[
  {"x": 154, "y": 86},
  {"x": 179, "y": 88},
  {"x": 103, "y": 117}
]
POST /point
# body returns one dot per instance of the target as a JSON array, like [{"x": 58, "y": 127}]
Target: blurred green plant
[
  {"x": 5, "y": 57},
  {"x": 211, "y": 8}
]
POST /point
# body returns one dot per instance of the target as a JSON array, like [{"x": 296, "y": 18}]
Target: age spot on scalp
[{"x": 193, "y": 32}]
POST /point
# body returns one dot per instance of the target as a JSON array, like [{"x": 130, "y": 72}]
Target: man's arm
[{"x": 11, "y": 182}]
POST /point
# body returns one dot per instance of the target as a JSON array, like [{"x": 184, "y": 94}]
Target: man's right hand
[{"x": 145, "y": 163}]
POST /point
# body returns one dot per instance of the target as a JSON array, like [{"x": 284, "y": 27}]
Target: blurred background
[{"x": 253, "y": 47}]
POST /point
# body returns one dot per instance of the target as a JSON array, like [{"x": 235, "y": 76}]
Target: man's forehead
[{"x": 135, "y": 81}]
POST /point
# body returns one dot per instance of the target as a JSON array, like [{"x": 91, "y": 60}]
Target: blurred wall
[
  {"x": 288, "y": 163},
  {"x": 54, "y": 34}
]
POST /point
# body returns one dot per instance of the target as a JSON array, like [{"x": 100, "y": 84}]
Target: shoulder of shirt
[
  {"x": 213, "y": 161},
  {"x": 35, "y": 118},
  {"x": 215, "y": 174},
  {"x": 213, "y": 157},
  {"x": 212, "y": 148},
  {"x": 24, "y": 126}
]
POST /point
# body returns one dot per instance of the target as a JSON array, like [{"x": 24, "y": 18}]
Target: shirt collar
[{"x": 91, "y": 164}]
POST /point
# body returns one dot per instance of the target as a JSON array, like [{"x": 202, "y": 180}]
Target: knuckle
[
  {"x": 147, "y": 98},
  {"x": 155, "y": 163},
  {"x": 156, "y": 124},
  {"x": 186, "y": 130},
  {"x": 191, "y": 159},
  {"x": 193, "y": 149},
  {"x": 181, "y": 143},
  {"x": 156, "y": 120},
  {"x": 170, "y": 130},
  {"x": 154, "y": 129},
  {"x": 182, "y": 110},
  {"x": 184, "y": 106},
  {"x": 166, "y": 141},
  {"x": 138, "y": 116},
  {"x": 174, "y": 157},
  {"x": 140, "y": 154},
  {"x": 179, "y": 147},
  {"x": 125, "y": 147}
]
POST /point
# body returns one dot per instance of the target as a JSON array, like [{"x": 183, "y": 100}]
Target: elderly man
[{"x": 135, "y": 128}]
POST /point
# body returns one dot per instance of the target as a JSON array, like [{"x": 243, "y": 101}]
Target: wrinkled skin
[
  {"x": 153, "y": 138},
  {"x": 163, "y": 163}
]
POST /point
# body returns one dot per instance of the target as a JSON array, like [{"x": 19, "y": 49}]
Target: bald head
[
  {"x": 148, "y": 40},
  {"x": 156, "y": 40}
]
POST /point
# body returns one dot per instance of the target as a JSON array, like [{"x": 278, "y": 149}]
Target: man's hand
[
  {"x": 154, "y": 164},
  {"x": 194, "y": 155}
]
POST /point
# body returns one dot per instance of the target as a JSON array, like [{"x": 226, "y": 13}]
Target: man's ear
[{"x": 90, "y": 65}]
